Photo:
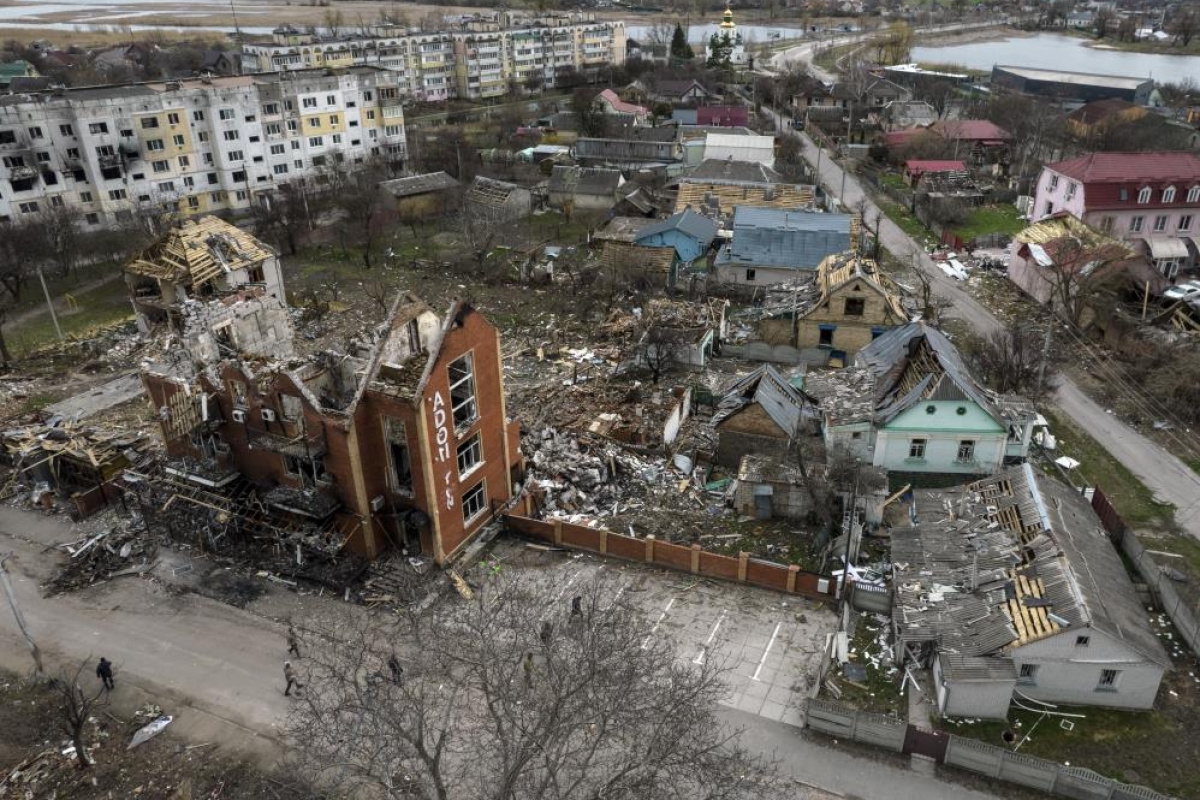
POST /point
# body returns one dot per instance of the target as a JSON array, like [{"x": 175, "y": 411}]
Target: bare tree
[
  {"x": 660, "y": 348},
  {"x": 1010, "y": 360},
  {"x": 58, "y": 238},
  {"x": 1183, "y": 27},
  {"x": 931, "y": 305},
  {"x": 1080, "y": 273},
  {"x": 506, "y": 696},
  {"x": 75, "y": 707}
]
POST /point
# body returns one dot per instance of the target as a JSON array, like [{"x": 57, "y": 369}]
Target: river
[{"x": 1058, "y": 51}]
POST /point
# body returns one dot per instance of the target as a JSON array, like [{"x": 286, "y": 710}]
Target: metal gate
[{"x": 931, "y": 744}]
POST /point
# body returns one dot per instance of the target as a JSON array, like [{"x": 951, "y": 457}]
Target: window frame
[
  {"x": 966, "y": 450},
  {"x": 478, "y": 493},
  {"x": 917, "y": 449},
  {"x": 468, "y": 378},
  {"x": 468, "y": 447}
]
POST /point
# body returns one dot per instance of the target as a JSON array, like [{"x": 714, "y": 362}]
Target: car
[{"x": 1183, "y": 291}]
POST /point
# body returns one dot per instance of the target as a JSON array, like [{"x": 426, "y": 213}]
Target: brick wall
[{"x": 787, "y": 578}]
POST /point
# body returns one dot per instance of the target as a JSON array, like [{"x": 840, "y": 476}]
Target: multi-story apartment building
[
  {"x": 482, "y": 59},
  {"x": 197, "y": 146}
]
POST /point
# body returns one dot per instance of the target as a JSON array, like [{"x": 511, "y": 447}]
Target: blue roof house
[
  {"x": 776, "y": 245},
  {"x": 689, "y": 233}
]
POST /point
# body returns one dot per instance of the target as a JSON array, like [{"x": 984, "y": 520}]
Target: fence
[
  {"x": 989, "y": 760},
  {"x": 1178, "y": 609},
  {"x": 787, "y": 578}
]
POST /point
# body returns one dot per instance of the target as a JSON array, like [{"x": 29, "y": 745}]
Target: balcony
[
  {"x": 109, "y": 160},
  {"x": 23, "y": 173}
]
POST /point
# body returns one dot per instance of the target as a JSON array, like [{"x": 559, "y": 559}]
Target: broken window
[
  {"x": 470, "y": 455},
  {"x": 311, "y": 471},
  {"x": 256, "y": 275},
  {"x": 855, "y": 306},
  {"x": 916, "y": 448},
  {"x": 966, "y": 450},
  {"x": 1028, "y": 673},
  {"x": 237, "y": 390},
  {"x": 474, "y": 502},
  {"x": 1108, "y": 680},
  {"x": 224, "y": 335},
  {"x": 398, "y": 453},
  {"x": 462, "y": 391},
  {"x": 1082, "y": 641},
  {"x": 749, "y": 276},
  {"x": 826, "y": 336},
  {"x": 292, "y": 407}
]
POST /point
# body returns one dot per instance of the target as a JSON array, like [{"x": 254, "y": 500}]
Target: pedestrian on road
[
  {"x": 105, "y": 673},
  {"x": 577, "y": 607},
  {"x": 547, "y": 630},
  {"x": 397, "y": 670},
  {"x": 290, "y": 675},
  {"x": 528, "y": 665},
  {"x": 293, "y": 641}
]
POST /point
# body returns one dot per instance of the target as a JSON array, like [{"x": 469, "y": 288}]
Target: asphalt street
[{"x": 217, "y": 669}]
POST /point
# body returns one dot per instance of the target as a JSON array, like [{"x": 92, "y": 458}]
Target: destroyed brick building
[
  {"x": 403, "y": 441},
  {"x": 217, "y": 287},
  {"x": 761, "y": 414}
]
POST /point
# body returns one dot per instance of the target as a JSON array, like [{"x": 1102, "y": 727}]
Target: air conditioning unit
[
  {"x": 268, "y": 415},
  {"x": 377, "y": 503},
  {"x": 239, "y": 415}
]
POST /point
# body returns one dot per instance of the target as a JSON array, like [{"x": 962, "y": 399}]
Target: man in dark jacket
[{"x": 105, "y": 673}]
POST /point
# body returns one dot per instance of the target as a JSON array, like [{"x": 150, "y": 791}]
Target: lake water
[{"x": 1055, "y": 51}]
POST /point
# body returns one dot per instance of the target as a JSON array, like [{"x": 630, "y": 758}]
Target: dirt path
[{"x": 60, "y": 307}]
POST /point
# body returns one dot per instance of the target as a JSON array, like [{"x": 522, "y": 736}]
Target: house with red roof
[
  {"x": 1151, "y": 200},
  {"x": 916, "y": 169},
  {"x": 627, "y": 113},
  {"x": 983, "y": 141}
]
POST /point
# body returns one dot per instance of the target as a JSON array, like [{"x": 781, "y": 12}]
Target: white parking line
[
  {"x": 704, "y": 647},
  {"x": 661, "y": 617},
  {"x": 763, "y": 660}
]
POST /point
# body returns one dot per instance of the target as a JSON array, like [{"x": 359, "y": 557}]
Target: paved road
[
  {"x": 217, "y": 669},
  {"x": 1167, "y": 477}
]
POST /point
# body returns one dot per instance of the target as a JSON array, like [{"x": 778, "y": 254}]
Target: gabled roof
[
  {"x": 793, "y": 239},
  {"x": 782, "y": 402},
  {"x": 712, "y": 170},
  {"x": 413, "y": 185},
  {"x": 198, "y": 250},
  {"x": 490, "y": 192},
  {"x": 688, "y": 222},
  {"x": 840, "y": 269},
  {"x": 918, "y": 167},
  {"x": 1181, "y": 168},
  {"x": 676, "y": 88},
  {"x": 610, "y": 99},
  {"x": 585, "y": 180},
  {"x": 916, "y": 362}
]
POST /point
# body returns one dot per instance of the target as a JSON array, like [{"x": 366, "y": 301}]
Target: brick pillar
[
  {"x": 743, "y": 561},
  {"x": 603, "y": 541},
  {"x": 696, "y": 558},
  {"x": 650, "y": 548},
  {"x": 558, "y": 531},
  {"x": 793, "y": 570}
]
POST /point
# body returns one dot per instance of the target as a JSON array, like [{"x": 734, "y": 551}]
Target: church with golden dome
[{"x": 727, "y": 39}]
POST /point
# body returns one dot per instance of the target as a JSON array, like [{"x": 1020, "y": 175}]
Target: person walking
[
  {"x": 546, "y": 632},
  {"x": 290, "y": 675},
  {"x": 293, "y": 641},
  {"x": 577, "y": 607},
  {"x": 397, "y": 670},
  {"x": 104, "y": 672}
]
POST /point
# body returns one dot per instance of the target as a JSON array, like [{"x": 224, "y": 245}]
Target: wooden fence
[
  {"x": 992, "y": 761},
  {"x": 742, "y": 568}
]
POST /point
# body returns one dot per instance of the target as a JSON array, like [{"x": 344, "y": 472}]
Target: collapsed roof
[{"x": 197, "y": 251}]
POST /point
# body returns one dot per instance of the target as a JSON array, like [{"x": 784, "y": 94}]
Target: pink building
[{"x": 1151, "y": 200}]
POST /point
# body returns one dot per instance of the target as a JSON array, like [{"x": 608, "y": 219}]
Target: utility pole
[
  {"x": 1041, "y": 382},
  {"x": 849, "y": 531},
  {"x": 846, "y": 158},
  {"x": 49, "y": 303},
  {"x": 16, "y": 610}
]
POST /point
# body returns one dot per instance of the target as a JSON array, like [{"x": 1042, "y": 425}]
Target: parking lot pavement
[{"x": 769, "y": 643}]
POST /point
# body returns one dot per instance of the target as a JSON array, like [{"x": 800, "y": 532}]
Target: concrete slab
[{"x": 101, "y": 398}]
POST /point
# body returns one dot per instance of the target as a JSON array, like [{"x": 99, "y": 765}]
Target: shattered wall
[
  {"x": 750, "y": 431},
  {"x": 255, "y": 325}
]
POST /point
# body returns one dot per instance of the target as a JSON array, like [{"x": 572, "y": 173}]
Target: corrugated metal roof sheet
[
  {"x": 786, "y": 238},
  {"x": 689, "y": 222}
]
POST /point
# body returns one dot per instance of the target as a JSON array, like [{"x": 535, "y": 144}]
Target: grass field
[
  {"x": 987, "y": 220},
  {"x": 97, "y": 307},
  {"x": 1098, "y": 468}
]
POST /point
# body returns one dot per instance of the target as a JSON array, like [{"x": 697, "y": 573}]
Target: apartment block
[
  {"x": 198, "y": 146},
  {"x": 482, "y": 59}
]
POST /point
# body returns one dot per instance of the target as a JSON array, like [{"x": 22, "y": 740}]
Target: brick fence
[{"x": 742, "y": 568}]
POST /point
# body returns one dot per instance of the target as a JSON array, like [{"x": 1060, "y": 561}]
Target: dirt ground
[{"x": 35, "y": 768}]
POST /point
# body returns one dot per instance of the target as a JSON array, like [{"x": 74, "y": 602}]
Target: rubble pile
[{"x": 111, "y": 553}]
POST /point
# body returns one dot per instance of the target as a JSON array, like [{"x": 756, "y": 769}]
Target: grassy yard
[
  {"x": 987, "y": 220},
  {"x": 1130, "y": 496},
  {"x": 97, "y": 307},
  {"x": 880, "y": 692},
  {"x": 903, "y": 218}
]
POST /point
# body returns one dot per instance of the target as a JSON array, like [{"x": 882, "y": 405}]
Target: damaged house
[
  {"x": 1010, "y": 589},
  {"x": 775, "y": 245},
  {"x": 910, "y": 405},
  {"x": 762, "y": 414},
  {"x": 402, "y": 441},
  {"x": 217, "y": 287},
  {"x": 716, "y": 187},
  {"x": 851, "y": 303}
]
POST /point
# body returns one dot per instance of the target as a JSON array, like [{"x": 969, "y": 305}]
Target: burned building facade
[{"x": 402, "y": 442}]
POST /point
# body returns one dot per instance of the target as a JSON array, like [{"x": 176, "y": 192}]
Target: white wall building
[
  {"x": 482, "y": 60},
  {"x": 199, "y": 145}
]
